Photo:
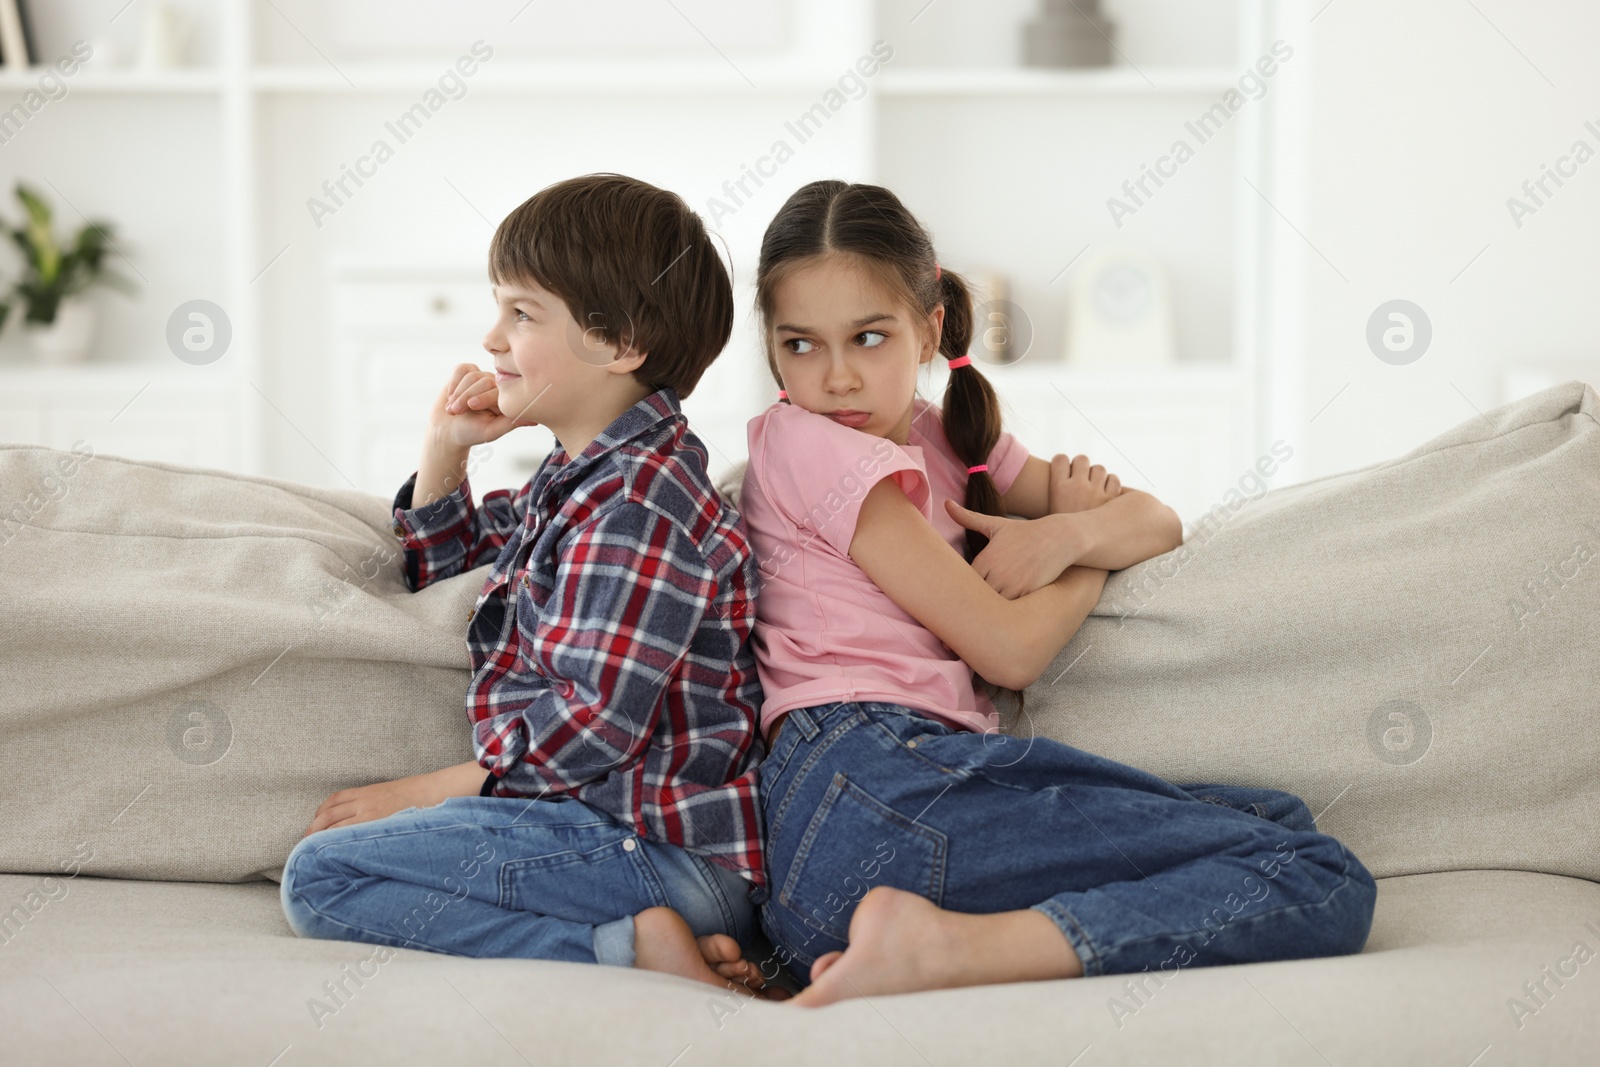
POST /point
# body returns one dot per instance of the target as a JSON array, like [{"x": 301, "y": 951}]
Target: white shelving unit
[{"x": 974, "y": 150}]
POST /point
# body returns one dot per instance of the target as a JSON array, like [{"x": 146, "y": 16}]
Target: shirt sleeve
[
  {"x": 450, "y": 535},
  {"x": 817, "y": 473},
  {"x": 1007, "y": 461},
  {"x": 630, "y": 593}
]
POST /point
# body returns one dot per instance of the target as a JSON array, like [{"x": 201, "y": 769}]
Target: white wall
[
  {"x": 1424, "y": 117},
  {"x": 1420, "y": 119}
]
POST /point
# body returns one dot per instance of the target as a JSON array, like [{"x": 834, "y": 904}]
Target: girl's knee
[
  {"x": 1361, "y": 892},
  {"x": 1290, "y": 812},
  {"x": 1274, "y": 805},
  {"x": 1347, "y": 894}
]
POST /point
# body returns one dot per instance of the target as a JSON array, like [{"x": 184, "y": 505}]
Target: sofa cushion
[
  {"x": 204, "y": 974},
  {"x": 1410, "y": 647},
  {"x": 194, "y": 660}
]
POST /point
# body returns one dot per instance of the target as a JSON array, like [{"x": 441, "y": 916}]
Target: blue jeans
[
  {"x": 491, "y": 876},
  {"x": 1137, "y": 873}
]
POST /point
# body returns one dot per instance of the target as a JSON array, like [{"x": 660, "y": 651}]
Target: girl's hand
[
  {"x": 1076, "y": 486},
  {"x": 467, "y": 410},
  {"x": 1022, "y": 554},
  {"x": 377, "y": 801}
]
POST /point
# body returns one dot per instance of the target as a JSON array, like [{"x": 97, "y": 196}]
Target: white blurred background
[{"x": 1236, "y": 317}]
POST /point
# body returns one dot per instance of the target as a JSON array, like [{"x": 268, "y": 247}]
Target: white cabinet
[
  {"x": 22, "y": 420},
  {"x": 1011, "y": 169},
  {"x": 399, "y": 331},
  {"x": 1171, "y": 431},
  {"x": 171, "y": 415},
  {"x": 401, "y": 328}
]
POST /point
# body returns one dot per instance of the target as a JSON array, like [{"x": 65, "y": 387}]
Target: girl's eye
[
  {"x": 880, "y": 335},
  {"x": 789, "y": 344},
  {"x": 522, "y": 313}
]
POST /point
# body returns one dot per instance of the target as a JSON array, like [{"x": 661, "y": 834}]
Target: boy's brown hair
[{"x": 632, "y": 262}]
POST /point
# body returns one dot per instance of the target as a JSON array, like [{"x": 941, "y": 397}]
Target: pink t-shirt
[{"x": 824, "y": 631}]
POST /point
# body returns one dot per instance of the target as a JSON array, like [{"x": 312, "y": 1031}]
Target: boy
[{"x": 614, "y": 685}]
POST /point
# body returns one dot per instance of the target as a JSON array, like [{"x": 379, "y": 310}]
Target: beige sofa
[{"x": 192, "y": 660}]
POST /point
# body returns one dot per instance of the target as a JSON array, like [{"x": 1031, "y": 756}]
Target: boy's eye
[
  {"x": 879, "y": 334},
  {"x": 521, "y": 313},
  {"x": 789, "y": 344}
]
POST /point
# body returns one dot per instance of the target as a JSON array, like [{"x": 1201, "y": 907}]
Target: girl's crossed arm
[
  {"x": 1072, "y": 514},
  {"x": 1008, "y": 642}
]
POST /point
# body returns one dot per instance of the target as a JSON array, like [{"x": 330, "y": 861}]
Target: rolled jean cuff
[
  {"x": 1093, "y": 965},
  {"x": 613, "y": 942}
]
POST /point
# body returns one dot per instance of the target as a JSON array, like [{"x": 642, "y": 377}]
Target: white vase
[{"x": 67, "y": 339}]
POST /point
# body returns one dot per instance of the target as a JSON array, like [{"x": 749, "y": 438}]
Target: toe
[
  {"x": 718, "y": 948},
  {"x": 823, "y": 962},
  {"x": 742, "y": 971}
]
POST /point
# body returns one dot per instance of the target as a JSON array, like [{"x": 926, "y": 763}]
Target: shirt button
[
  {"x": 911, "y": 744},
  {"x": 399, "y": 531},
  {"x": 629, "y": 845}
]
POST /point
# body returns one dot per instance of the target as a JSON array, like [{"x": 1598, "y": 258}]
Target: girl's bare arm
[
  {"x": 1008, "y": 642},
  {"x": 1124, "y": 528},
  {"x": 1130, "y": 529}
]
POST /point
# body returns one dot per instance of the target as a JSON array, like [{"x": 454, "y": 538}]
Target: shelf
[
  {"x": 19, "y": 374},
  {"x": 256, "y": 66},
  {"x": 592, "y": 78},
  {"x": 130, "y": 80},
  {"x": 607, "y": 78},
  {"x": 1097, "y": 81},
  {"x": 1189, "y": 377},
  {"x": 602, "y": 79}
]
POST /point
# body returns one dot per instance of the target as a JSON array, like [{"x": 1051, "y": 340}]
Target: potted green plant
[{"x": 58, "y": 318}]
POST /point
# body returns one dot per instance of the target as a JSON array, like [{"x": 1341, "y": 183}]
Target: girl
[{"x": 906, "y": 848}]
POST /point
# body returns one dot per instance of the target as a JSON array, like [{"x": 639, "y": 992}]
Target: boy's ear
[{"x": 627, "y": 360}]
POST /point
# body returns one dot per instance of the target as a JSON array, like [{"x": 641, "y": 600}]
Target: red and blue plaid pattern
[{"x": 624, "y": 675}]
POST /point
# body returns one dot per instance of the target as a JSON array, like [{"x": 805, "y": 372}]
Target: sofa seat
[{"x": 109, "y": 971}]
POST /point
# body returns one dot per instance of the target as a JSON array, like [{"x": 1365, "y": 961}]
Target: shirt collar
[{"x": 646, "y": 414}]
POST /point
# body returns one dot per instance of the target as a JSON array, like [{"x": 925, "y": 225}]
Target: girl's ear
[{"x": 936, "y": 331}]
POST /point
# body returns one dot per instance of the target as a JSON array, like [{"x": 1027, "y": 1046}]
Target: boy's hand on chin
[{"x": 467, "y": 410}]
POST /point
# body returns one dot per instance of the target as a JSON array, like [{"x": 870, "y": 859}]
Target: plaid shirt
[{"x": 624, "y": 676}]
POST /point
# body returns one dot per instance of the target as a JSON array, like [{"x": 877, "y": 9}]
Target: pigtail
[
  {"x": 971, "y": 420},
  {"x": 971, "y": 409}
]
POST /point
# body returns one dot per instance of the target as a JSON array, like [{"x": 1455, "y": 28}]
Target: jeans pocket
[
  {"x": 853, "y": 843},
  {"x": 584, "y": 881}
]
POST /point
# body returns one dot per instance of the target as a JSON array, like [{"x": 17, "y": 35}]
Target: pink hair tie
[
  {"x": 783, "y": 394},
  {"x": 979, "y": 467},
  {"x": 936, "y": 272},
  {"x": 959, "y": 361}
]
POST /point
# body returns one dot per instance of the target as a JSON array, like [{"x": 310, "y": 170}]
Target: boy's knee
[{"x": 306, "y": 869}]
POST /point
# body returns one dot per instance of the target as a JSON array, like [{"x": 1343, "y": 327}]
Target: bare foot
[
  {"x": 663, "y": 942},
  {"x": 901, "y": 943},
  {"x": 723, "y": 955}
]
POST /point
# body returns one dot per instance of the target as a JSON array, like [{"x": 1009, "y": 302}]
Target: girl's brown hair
[{"x": 869, "y": 222}]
